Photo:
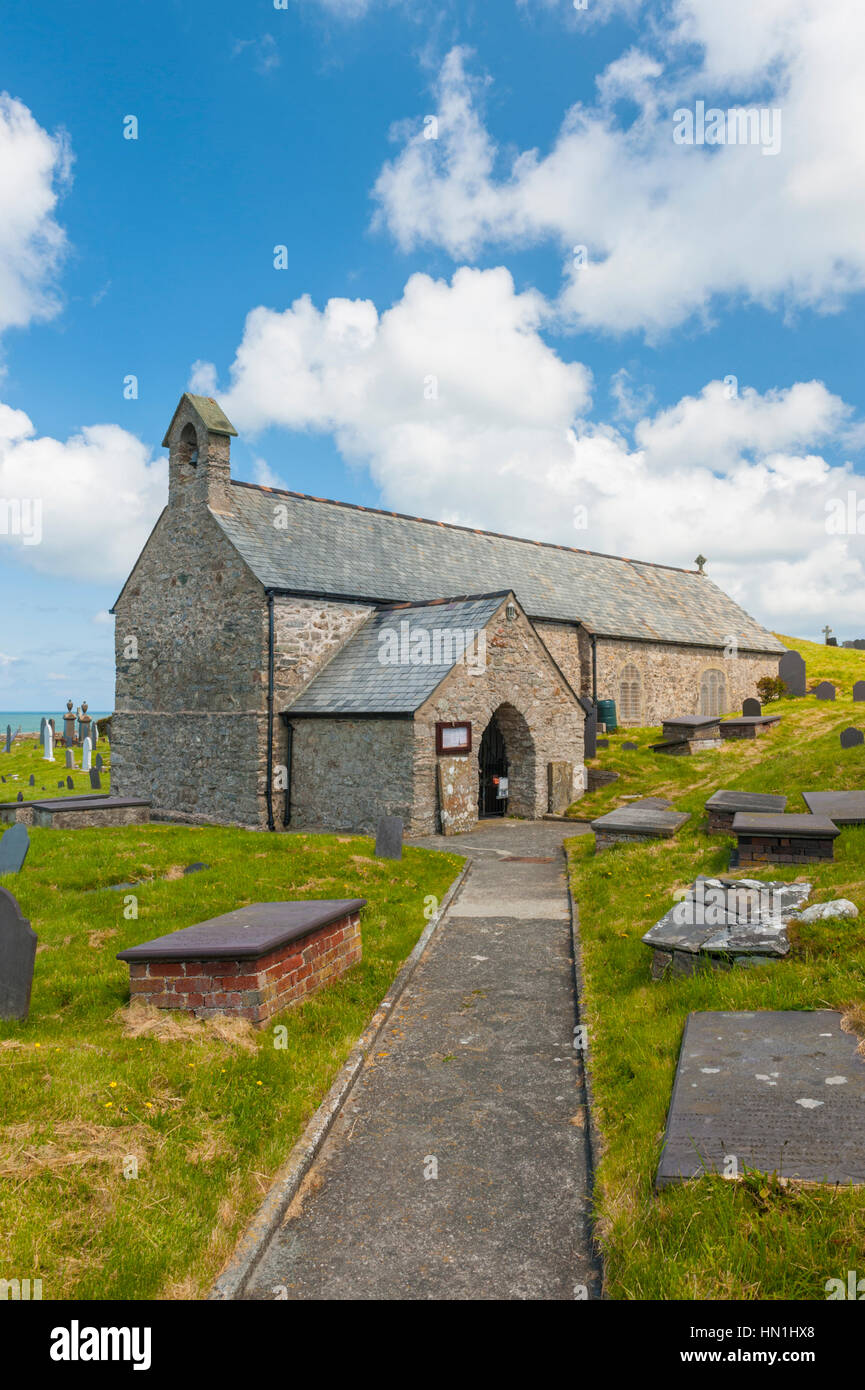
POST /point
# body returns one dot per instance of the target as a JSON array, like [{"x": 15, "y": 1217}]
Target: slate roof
[
  {"x": 333, "y": 548},
  {"x": 357, "y": 681}
]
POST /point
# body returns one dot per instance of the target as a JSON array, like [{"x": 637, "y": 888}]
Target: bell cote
[{"x": 198, "y": 441}]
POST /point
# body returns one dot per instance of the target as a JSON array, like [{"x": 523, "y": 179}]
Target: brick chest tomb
[
  {"x": 790, "y": 839},
  {"x": 253, "y": 962},
  {"x": 722, "y": 806}
]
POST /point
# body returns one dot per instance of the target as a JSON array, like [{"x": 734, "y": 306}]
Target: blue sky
[{"x": 555, "y": 387}]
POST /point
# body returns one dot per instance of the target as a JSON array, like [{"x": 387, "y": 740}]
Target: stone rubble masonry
[
  {"x": 670, "y": 674},
  {"x": 256, "y": 988},
  {"x": 55, "y": 818},
  {"x": 348, "y": 773},
  {"x": 539, "y": 715}
]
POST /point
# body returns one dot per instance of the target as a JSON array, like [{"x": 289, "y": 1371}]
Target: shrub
[{"x": 771, "y": 688}]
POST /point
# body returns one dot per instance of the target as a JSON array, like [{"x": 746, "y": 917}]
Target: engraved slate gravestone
[
  {"x": 13, "y": 848},
  {"x": 70, "y": 784},
  {"x": 70, "y": 758},
  {"x": 859, "y": 691},
  {"x": 750, "y": 707},
  {"x": 851, "y": 737},
  {"x": 98, "y": 762},
  {"x": 388, "y": 838},
  {"x": 95, "y": 779},
  {"x": 631, "y": 746},
  {"x": 32, "y": 780},
  {"x": 8, "y": 748},
  {"x": 17, "y": 958},
  {"x": 825, "y": 691},
  {"x": 791, "y": 669}
]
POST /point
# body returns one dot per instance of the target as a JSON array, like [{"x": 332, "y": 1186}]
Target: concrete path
[{"x": 458, "y": 1167}]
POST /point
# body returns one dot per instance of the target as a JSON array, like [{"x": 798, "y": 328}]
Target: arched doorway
[
  {"x": 506, "y": 766},
  {"x": 492, "y": 767}
]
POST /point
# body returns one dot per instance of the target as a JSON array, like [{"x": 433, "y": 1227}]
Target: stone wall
[
  {"x": 539, "y": 716},
  {"x": 348, "y": 773},
  {"x": 190, "y": 650},
  {"x": 670, "y": 674}
]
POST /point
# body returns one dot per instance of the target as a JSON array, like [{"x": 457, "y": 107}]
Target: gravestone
[
  {"x": 851, "y": 737},
  {"x": 86, "y": 749},
  {"x": 458, "y": 795},
  {"x": 13, "y": 848},
  {"x": 20, "y": 796},
  {"x": 560, "y": 787},
  {"x": 42, "y": 728},
  {"x": 70, "y": 784},
  {"x": 95, "y": 733},
  {"x": 8, "y": 748},
  {"x": 631, "y": 746},
  {"x": 825, "y": 691},
  {"x": 791, "y": 669},
  {"x": 844, "y": 808},
  {"x": 859, "y": 691},
  {"x": 751, "y": 706},
  {"x": 99, "y": 761},
  {"x": 70, "y": 758},
  {"x": 61, "y": 783},
  {"x": 95, "y": 779},
  {"x": 17, "y": 958},
  {"x": 602, "y": 743},
  {"x": 783, "y": 1092},
  {"x": 32, "y": 780},
  {"x": 388, "y": 835},
  {"x": 48, "y": 744},
  {"x": 590, "y": 727}
]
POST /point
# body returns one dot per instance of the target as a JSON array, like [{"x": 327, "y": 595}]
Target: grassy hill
[{"x": 712, "y": 1239}]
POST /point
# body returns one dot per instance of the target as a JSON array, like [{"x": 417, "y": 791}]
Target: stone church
[{"x": 285, "y": 661}]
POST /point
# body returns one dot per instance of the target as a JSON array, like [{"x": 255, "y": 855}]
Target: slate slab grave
[
  {"x": 791, "y": 669},
  {"x": 722, "y": 806},
  {"x": 719, "y": 923},
  {"x": 602, "y": 743},
  {"x": 632, "y": 747},
  {"x": 17, "y": 959},
  {"x": 825, "y": 691},
  {"x": 388, "y": 838},
  {"x": 851, "y": 738},
  {"x": 752, "y": 706},
  {"x": 13, "y": 849},
  {"x": 749, "y": 725},
  {"x": 784, "y": 839},
  {"x": 636, "y": 824},
  {"x": 72, "y": 813},
  {"x": 859, "y": 691},
  {"x": 778, "y": 1092},
  {"x": 843, "y": 808}
]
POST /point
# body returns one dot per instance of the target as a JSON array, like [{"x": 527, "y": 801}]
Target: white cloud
[
  {"x": 7, "y": 660},
  {"x": 34, "y": 166},
  {"x": 103, "y": 617},
  {"x": 671, "y": 230},
  {"x": 202, "y": 379},
  {"x": 463, "y": 413},
  {"x": 97, "y": 495}
]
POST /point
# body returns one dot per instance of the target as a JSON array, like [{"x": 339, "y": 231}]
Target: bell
[{"x": 193, "y": 457}]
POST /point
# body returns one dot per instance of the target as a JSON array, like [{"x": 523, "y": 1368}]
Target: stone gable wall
[{"x": 541, "y": 720}]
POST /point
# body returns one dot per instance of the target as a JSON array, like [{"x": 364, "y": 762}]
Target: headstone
[
  {"x": 825, "y": 691},
  {"x": 95, "y": 733},
  {"x": 791, "y": 669},
  {"x": 20, "y": 796},
  {"x": 48, "y": 744},
  {"x": 70, "y": 784},
  {"x": 99, "y": 761},
  {"x": 859, "y": 690},
  {"x": 61, "y": 783},
  {"x": 782, "y": 1091},
  {"x": 751, "y": 706},
  {"x": 851, "y": 737},
  {"x": 17, "y": 957},
  {"x": 42, "y": 727},
  {"x": 602, "y": 743},
  {"x": 560, "y": 787},
  {"x": 590, "y": 727},
  {"x": 70, "y": 758},
  {"x": 95, "y": 779},
  {"x": 32, "y": 780},
  {"x": 458, "y": 795},
  {"x": 388, "y": 837},
  {"x": 8, "y": 748},
  {"x": 13, "y": 848},
  {"x": 69, "y": 725},
  {"x": 85, "y": 755},
  {"x": 631, "y": 746}
]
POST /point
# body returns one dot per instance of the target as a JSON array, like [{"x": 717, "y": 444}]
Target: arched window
[
  {"x": 189, "y": 444},
  {"x": 630, "y": 696},
  {"x": 713, "y": 692}
]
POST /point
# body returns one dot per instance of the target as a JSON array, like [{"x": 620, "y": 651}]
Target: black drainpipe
[
  {"x": 289, "y": 742},
  {"x": 594, "y": 669},
  {"x": 271, "y": 823}
]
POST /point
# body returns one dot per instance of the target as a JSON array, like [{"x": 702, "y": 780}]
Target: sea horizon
[{"x": 28, "y": 721}]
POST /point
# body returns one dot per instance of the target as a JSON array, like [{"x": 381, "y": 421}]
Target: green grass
[
  {"x": 208, "y": 1112},
  {"x": 26, "y": 758},
  {"x": 713, "y": 1239}
]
